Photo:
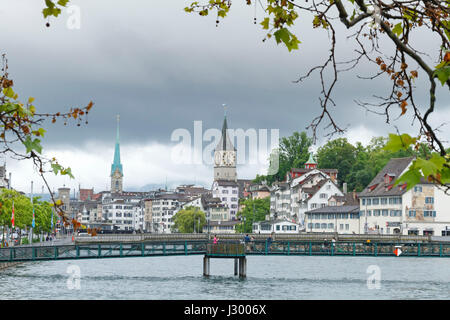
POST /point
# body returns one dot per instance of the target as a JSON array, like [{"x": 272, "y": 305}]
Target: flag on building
[
  {"x": 33, "y": 223},
  {"x": 12, "y": 218}
]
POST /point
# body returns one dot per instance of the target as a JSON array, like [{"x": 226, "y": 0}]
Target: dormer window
[{"x": 388, "y": 177}]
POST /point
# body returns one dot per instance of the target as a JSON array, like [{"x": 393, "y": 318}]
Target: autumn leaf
[{"x": 403, "y": 106}]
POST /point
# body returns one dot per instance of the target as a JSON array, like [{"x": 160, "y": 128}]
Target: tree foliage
[
  {"x": 254, "y": 210},
  {"x": 293, "y": 152},
  {"x": 23, "y": 211},
  {"x": 185, "y": 219},
  {"x": 337, "y": 154}
]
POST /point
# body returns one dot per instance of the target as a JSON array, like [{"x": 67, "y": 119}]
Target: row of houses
[{"x": 310, "y": 201}]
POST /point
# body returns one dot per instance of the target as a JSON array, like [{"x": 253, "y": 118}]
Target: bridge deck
[{"x": 234, "y": 249}]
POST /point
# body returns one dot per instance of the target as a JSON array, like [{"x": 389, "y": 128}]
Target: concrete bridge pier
[
  {"x": 242, "y": 267},
  {"x": 206, "y": 266}
]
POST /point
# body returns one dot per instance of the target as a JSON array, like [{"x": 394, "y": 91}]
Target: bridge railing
[
  {"x": 282, "y": 237},
  {"x": 227, "y": 249}
]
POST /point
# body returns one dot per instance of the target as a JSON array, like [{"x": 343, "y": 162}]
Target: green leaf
[
  {"x": 428, "y": 168},
  {"x": 56, "y": 168},
  {"x": 398, "y": 30},
  {"x": 410, "y": 177},
  {"x": 397, "y": 142},
  {"x": 9, "y": 92},
  {"x": 63, "y": 2},
  {"x": 31, "y": 145},
  {"x": 68, "y": 172},
  {"x": 443, "y": 74},
  {"x": 282, "y": 35},
  {"x": 265, "y": 23},
  {"x": 438, "y": 160},
  {"x": 445, "y": 175}
]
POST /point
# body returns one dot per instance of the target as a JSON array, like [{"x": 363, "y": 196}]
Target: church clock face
[
  {"x": 217, "y": 157},
  {"x": 231, "y": 159}
]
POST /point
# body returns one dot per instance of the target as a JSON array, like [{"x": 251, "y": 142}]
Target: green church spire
[{"x": 116, "y": 164}]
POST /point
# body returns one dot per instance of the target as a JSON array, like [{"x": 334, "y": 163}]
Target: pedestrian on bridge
[{"x": 269, "y": 242}]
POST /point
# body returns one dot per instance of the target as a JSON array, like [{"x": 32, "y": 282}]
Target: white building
[
  {"x": 280, "y": 201},
  {"x": 306, "y": 189},
  {"x": 125, "y": 211},
  {"x": 228, "y": 193},
  {"x": 311, "y": 193},
  {"x": 164, "y": 208},
  {"x": 335, "y": 219},
  {"x": 389, "y": 209},
  {"x": 278, "y": 226}
]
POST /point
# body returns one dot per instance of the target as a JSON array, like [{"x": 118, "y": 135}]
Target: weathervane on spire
[{"x": 224, "y": 109}]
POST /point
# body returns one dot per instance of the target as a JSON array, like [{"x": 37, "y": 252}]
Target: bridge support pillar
[
  {"x": 236, "y": 265},
  {"x": 206, "y": 266},
  {"x": 242, "y": 267}
]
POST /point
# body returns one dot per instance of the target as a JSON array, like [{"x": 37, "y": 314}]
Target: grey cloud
[{"x": 161, "y": 69}]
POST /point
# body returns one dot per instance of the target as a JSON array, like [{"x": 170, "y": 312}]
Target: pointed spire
[
  {"x": 225, "y": 142},
  {"x": 116, "y": 164},
  {"x": 117, "y": 136}
]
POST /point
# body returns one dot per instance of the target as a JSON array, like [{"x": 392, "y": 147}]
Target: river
[{"x": 268, "y": 278}]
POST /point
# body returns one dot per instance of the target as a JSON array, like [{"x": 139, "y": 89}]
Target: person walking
[
  {"x": 246, "y": 241},
  {"x": 269, "y": 242}
]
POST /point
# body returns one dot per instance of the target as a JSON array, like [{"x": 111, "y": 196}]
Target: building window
[
  {"x": 330, "y": 226},
  {"x": 347, "y": 227},
  {"x": 383, "y": 200},
  {"x": 428, "y": 213},
  {"x": 385, "y": 213},
  {"x": 369, "y": 202},
  {"x": 341, "y": 227},
  {"x": 429, "y": 200},
  {"x": 363, "y": 201},
  {"x": 375, "y": 201},
  {"x": 418, "y": 189},
  {"x": 376, "y": 213},
  {"x": 323, "y": 226},
  {"x": 323, "y": 196}
]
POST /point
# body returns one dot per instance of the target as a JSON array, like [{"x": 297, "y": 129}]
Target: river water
[{"x": 268, "y": 278}]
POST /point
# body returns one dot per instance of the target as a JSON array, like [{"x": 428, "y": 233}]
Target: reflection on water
[{"x": 271, "y": 278}]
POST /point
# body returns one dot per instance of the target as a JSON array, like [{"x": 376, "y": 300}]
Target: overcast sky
[{"x": 162, "y": 69}]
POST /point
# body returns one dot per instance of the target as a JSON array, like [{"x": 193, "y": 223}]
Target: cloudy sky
[{"x": 162, "y": 69}]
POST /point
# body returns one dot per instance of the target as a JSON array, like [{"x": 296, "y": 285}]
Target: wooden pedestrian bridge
[{"x": 143, "y": 245}]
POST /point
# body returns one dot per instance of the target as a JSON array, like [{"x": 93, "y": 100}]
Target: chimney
[
  {"x": 354, "y": 194},
  {"x": 344, "y": 187}
]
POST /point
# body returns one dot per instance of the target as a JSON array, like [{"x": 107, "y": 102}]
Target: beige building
[
  {"x": 148, "y": 215},
  {"x": 387, "y": 208}
]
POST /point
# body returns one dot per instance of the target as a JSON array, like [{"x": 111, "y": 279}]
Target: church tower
[
  {"x": 116, "y": 167},
  {"x": 225, "y": 157},
  {"x": 311, "y": 163}
]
